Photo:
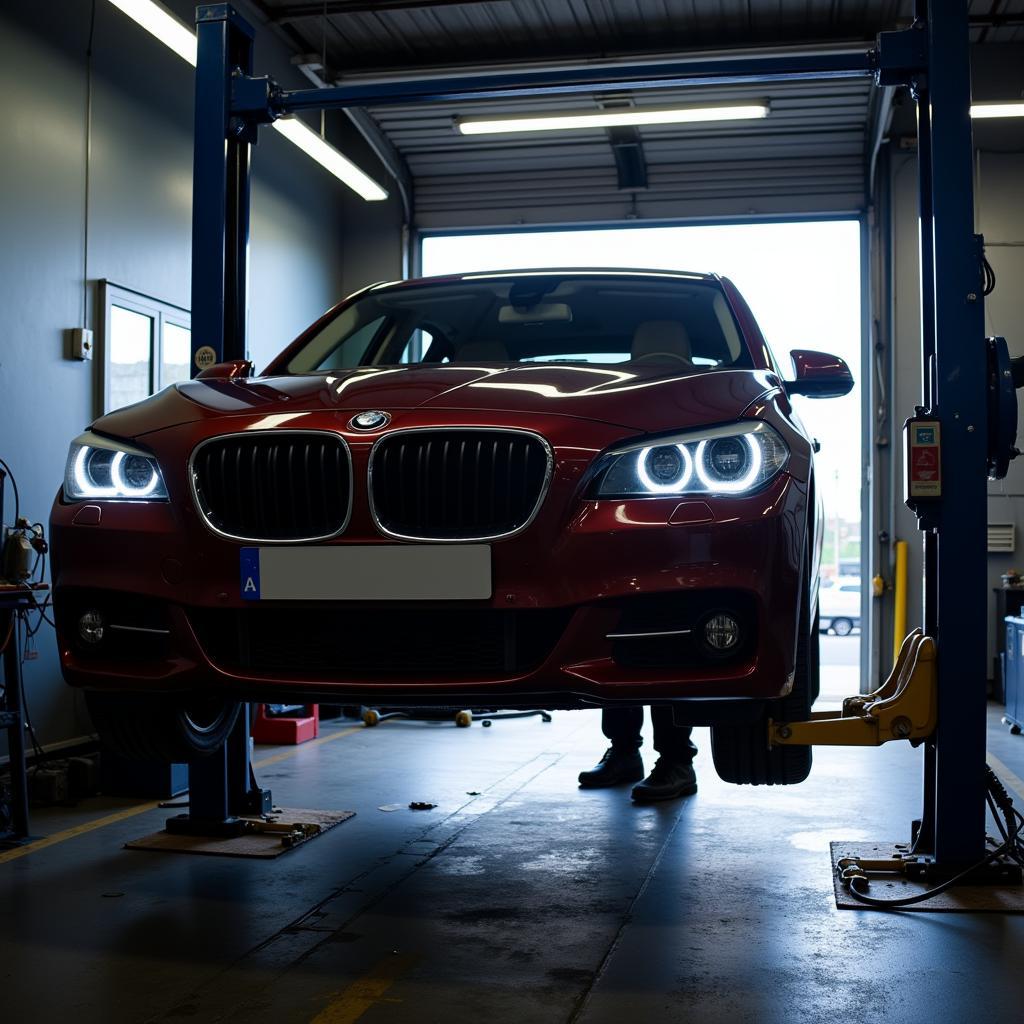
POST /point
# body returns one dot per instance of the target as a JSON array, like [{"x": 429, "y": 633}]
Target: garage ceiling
[{"x": 807, "y": 157}]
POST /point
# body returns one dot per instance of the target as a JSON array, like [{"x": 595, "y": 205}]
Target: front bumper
[{"x": 581, "y": 571}]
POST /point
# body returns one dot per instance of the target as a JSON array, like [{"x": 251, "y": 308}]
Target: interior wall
[{"x": 140, "y": 194}]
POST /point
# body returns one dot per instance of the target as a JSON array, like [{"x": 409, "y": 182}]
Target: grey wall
[
  {"x": 139, "y": 236},
  {"x": 999, "y": 164}
]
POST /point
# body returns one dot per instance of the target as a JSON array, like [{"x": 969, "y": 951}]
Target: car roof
[{"x": 504, "y": 275}]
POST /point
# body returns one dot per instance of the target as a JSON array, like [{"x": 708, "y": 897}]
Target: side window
[
  {"x": 351, "y": 351},
  {"x": 728, "y": 325},
  {"x": 419, "y": 341},
  {"x": 146, "y": 345}
]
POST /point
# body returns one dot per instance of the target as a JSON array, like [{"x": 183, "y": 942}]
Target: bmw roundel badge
[{"x": 373, "y": 419}]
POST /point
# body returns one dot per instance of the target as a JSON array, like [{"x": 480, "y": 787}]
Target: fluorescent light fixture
[
  {"x": 986, "y": 110},
  {"x": 301, "y": 135},
  {"x": 158, "y": 22},
  {"x": 613, "y": 118},
  {"x": 182, "y": 40}
]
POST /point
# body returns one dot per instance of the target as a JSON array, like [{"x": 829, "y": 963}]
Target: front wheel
[
  {"x": 842, "y": 627},
  {"x": 171, "y": 728},
  {"x": 741, "y": 753}
]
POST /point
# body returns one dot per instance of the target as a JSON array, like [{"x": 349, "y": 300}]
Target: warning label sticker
[{"x": 924, "y": 461}]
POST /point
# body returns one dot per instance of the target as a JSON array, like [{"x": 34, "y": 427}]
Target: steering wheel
[{"x": 648, "y": 356}]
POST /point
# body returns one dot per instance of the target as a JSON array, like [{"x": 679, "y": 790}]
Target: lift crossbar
[{"x": 725, "y": 70}]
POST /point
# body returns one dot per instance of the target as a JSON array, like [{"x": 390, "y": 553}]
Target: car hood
[{"x": 647, "y": 398}]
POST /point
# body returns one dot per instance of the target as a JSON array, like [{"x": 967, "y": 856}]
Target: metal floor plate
[
  {"x": 266, "y": 845},
  {"x": 962, "y": 898}
]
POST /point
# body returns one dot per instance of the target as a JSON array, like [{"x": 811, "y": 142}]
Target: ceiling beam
[{"x": 297, "y": 12}]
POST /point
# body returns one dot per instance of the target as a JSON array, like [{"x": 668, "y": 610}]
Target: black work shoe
[
  {"x": 668, "y": 780},
  {"x": 616, "y": 766}
]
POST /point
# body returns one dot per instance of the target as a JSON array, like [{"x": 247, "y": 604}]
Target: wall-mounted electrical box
[{"x": 80, "y": 343}]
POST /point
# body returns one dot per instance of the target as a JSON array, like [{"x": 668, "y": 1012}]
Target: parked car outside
[
  {"x": 840, "y": 606},
  {"x": 564, "y": 489}
]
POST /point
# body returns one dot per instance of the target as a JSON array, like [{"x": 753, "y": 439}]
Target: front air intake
[
  {"x": 274, "y": 485},
  {"x": 456, "y": 483}
]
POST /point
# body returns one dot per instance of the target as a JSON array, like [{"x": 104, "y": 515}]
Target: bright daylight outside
[{"x": 802, "y": 280}]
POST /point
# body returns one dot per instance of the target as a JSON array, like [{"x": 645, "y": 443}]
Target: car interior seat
[{"x": 661, "y": 341}]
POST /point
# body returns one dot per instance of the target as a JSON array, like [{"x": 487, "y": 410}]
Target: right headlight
[
  {"x": 735, "y": 459},
  {"x": 98, "y": 467}
]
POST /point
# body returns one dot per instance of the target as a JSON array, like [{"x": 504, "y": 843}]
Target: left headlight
[
  {"x": 98, "y": 467},
  {"x": 734, "y": 459}
]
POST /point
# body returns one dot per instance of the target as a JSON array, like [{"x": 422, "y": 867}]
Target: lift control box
[{"x": 923, "y": 447}]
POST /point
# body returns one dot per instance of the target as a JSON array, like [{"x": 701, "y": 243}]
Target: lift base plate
[
  {"x": 264, "y": 844},
  {"x": 1001, "y": 895}
]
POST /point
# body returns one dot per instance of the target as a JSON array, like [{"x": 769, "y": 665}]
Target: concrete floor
[{"x": 532, "y": 901}]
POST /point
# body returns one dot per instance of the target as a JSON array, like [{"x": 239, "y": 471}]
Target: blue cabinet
[{"x": 1014, "y": 672}]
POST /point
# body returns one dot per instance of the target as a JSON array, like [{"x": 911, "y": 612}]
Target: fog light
[
  {"x": 722, "y": 632},
  {"x": 90, "y": 627}
]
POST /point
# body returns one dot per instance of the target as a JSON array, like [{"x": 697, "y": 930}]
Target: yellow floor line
[
  {"x": 351, "y": 1003},
  {"x": 77, "y": 830},
  {"x": 292, "y": 751},
  {"x": 1008, "y": 778},
  {"x": 131, "y": 812}
]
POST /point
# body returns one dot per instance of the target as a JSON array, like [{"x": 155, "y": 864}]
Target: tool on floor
[
  {"x": 292, "y": 832},
  {"x": 463, "y": 717}
]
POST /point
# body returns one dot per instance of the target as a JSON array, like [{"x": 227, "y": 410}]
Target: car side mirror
[
  {"x": 228, "y": 370},
  {"x": 819, "y": 375}
]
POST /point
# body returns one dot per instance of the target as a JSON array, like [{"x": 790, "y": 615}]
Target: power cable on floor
[{"x": 1001, "y": 805}]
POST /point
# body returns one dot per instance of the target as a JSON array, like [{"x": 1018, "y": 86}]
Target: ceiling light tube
[
  {"x": 182, "y": 40},
  {"x": 986, "y": 110},
  {"x": 158, "y": 22},
  {"x": 613, "y": 118}
]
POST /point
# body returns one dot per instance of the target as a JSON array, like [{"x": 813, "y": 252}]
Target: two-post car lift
[{"x": 932, "y": 59}]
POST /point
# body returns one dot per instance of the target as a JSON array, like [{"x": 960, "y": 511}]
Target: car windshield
[{"x": 681, "y": 323}]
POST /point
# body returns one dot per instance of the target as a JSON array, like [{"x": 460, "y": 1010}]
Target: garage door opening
[{"x": 803, "y": 281}]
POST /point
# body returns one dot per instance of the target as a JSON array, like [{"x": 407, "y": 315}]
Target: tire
[
  {"x": 842, "y": 627},
  {"x": 814, "y": 658},
  {"x": 741, "y": 753},
  {"x": 169, "y": 728}
]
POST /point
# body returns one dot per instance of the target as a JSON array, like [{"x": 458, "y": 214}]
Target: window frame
[{"x": 159, "y": 313}]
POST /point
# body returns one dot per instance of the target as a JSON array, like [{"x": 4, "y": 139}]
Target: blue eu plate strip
[{"x": 250, "y": 581}]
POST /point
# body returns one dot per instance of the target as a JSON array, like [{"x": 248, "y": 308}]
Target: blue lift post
[
  {"x": 231, "y": 104},
  {"x": 220, "y": 199},
  {"x": 956, "y": 391}
]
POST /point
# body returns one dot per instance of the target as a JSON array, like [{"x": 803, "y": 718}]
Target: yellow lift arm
[{"x": 904, "y": 707}]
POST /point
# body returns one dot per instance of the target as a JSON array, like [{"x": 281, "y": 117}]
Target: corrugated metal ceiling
[
  {"x": 392, "y": 34},
  {"x": 813, "y": 139},
  {"x": 808, "y": 156}
]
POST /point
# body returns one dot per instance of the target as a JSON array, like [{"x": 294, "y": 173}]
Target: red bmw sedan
[{"x": 556, "y": 488}]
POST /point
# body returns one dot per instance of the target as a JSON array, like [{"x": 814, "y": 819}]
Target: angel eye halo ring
[
  {"x": 100, "y": 467},
  {"x": 659, "y": 473},
  {"x": 733, "y": 459}
]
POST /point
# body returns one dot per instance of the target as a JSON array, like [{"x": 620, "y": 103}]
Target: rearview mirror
[
  {"x": 819, "y": 375},
  {"x": 229, "y": 370}
]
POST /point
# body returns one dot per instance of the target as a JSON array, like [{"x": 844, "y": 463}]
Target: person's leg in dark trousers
[
  {"x": 622, "y": 727},
  {"x": 673, "y": 775},
  {"x": 671, "y": 740},
  {"x": 621, "y": 761}
]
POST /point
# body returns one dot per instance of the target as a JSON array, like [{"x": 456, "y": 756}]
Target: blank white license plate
[{"x": 367, "y": 572}]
